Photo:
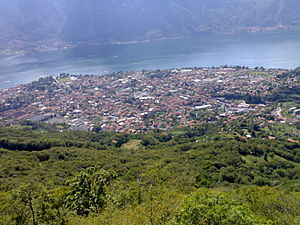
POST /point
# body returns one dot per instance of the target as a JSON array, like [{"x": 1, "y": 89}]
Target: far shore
[{"x": 56, "y": 45}]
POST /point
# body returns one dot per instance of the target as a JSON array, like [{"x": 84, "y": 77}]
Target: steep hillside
[
  {"x": 187, "y": 176},
  {"x": 119, "y": 20}
]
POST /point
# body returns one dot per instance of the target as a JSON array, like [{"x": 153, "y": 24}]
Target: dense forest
[{"x": 211, "y": 174}]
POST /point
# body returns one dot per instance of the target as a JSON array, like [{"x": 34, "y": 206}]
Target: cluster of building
[{"x": 141, "y": 101}]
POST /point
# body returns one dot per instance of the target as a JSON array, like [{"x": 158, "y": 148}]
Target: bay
[{"x": 267, "y": 49}]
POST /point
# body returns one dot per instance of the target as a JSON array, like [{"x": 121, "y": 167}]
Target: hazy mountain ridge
[{"x": 124, "y": 20}]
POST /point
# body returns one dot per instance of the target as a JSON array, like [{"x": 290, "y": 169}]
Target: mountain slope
[{"x": 124, "y": 20}]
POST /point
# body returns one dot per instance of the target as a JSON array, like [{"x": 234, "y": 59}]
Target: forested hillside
[{"x": 210, "y": 174}]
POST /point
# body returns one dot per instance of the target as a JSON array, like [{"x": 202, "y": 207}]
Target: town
[{"x": 142, "y": 101}]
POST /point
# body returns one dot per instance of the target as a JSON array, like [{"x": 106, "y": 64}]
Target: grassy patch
[{"x": 133, "y": 145}]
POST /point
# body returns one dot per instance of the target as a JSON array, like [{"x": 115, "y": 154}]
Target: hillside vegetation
[{"x": 204, "y": 175}]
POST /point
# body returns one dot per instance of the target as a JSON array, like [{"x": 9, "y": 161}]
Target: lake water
[{"x": 271, "y": 49}]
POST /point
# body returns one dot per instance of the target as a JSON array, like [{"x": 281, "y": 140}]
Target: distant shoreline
[
  {"x": 276, "y": 49},
  {"x": 57, "y": 45}
]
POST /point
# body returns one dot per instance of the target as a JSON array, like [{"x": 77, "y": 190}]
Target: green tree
[
  {"x": 209, "y": 207},
  {"x": 88, "y": 191},
  {"x": 27, "y": 197}
]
